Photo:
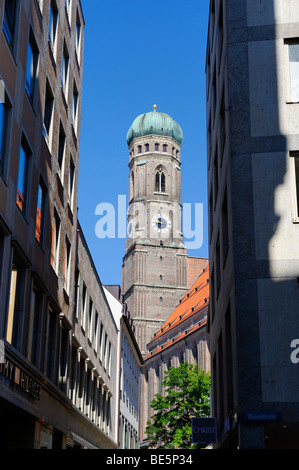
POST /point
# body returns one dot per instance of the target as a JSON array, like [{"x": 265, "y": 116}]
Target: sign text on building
[
  {"x": 204, "y": 430},
  {"x": 18, "y": 377}
]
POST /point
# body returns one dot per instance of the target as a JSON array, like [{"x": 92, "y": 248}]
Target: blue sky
[{"x": 139, "y": 53}]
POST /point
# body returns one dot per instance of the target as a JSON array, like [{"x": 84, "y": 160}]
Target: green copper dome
[{"x": 156, "y": 123}]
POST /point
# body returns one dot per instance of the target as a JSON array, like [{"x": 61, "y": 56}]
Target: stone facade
[
  {"x": 155, "y": 263},
  {"x": 156, "y": 266},
  {"x": 183, "y": 337},
  {"x": 254, "y": 260}
]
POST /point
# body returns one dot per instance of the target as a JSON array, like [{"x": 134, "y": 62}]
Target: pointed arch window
[
  {"x": 160, "y": 181},
  {"x": 132, "y": 186}
]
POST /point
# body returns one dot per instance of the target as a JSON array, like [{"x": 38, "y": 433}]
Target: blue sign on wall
[{"x": 261, "y": 416}]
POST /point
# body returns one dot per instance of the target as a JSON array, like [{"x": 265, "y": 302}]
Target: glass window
[
  {"x": 14, "y": 325},
  {"x": 34, "y": 333},
  {"x": 68, "y": 7},
  {"x": 63, "y": 358},
  {"x": 294, "y": 71},
  {"x": 9, "y": 21},
  {"x": 71, "y": 183},
  {"x": 297, "y": 181},
  {"x": 75, "y": 106},
  {"x": 51, "y": 345},
  {"x": 40, "y": 4},
  {"x": 61, "y": 147},
  {"x": 295, "y": 155},
  {"x": 95, "y": 329},
  {"x": 64, "y": 70},
  {"x": 11, "y": 308},
  {"x": 53, "y": 19},
  {"x": 40, "y": 213},
  {"x": 31, "y": 71},
  {"x": 49, "y": 101},
  {"x": 160, "y": 181},
  {"x": 67, "y": 260},
  {"x": 78, "y": 37},
  {"x": 109, "y": 359},
  {"x": 23, "y": 176},
  {"x": 2, "y": 241},
  {"x": 55, "y": 242},
  {"x": 4, "y": 117}
]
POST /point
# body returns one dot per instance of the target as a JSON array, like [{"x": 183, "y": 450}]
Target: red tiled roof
[{"x": 195, "y": 300}]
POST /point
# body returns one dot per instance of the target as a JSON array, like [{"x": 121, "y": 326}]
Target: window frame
[
  {"x": 33, "y": 58},
  {"x": 160, "y": 180},
  {"x": 65, "y": 66},
  {"x": 48, "y": 126},
  {"x": 53, "y": 27},
  {"x": 288, "y": 43},
  {"x": 55, "y": 243},
  {"x": 61, "y": 150},
  {"x": 78, "y": 37},
  {"x": 40, "y": 4},
  {"x": 40, "y": 234},
  {"x": 75, "y": 107},
  {"x": 23, "y": 204},
  {"x": 67, "y": 264},
  {"x": 10, "y": 34},
  {"x": 14, "y": 324},
  {"x": 35, "y": 326},
  {"x": 5, "y": 133},
  {"x": 68, "y": 10},
  {"x": 294, "y": 185},
  {"x": 52, "y": 345},
  {"x": 71, "y": 183}
]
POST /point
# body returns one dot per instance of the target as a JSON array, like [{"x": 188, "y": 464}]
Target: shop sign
[
  {"x": 20, "y": 379},
  {"x": 204, "y": 430},
  {"x": 261, "y": 416},
  {"x": 2, "y": 352}
]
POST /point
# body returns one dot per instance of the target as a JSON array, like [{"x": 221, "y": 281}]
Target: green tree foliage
[{"x": 187, "y": 395}]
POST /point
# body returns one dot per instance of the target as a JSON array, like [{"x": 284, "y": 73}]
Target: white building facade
[{"x": 128, "y": 372}]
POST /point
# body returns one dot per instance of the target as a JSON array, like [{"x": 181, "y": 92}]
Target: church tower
[{"x": 155, "y": 263}]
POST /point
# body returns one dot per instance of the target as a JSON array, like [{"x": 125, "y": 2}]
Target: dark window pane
[
  {"x": 22, "y": 180},
  {"x": 9, "y": 20}
]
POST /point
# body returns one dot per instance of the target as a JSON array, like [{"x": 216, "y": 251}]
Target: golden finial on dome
[{"x": 155, "y": 107}]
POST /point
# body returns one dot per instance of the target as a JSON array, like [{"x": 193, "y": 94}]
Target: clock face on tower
[{"x": 161, "y": 223}]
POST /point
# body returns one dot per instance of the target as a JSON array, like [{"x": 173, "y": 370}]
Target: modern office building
[
  {"x": 93, "y": 379},
  {"x": 253, "y": 143},
  {"x": 182, "y": 338},
  {"x": 57, "y": 333},
  {"x": 156, "y": 264}
]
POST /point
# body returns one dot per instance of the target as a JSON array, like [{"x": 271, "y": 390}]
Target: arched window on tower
[
  {"x": 160, "y": 181},
  {"x": 132, "y": 186}
]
